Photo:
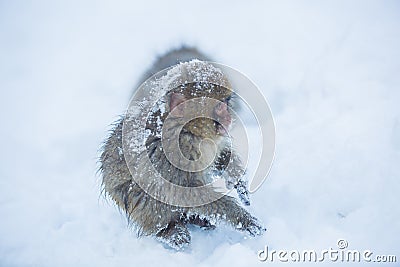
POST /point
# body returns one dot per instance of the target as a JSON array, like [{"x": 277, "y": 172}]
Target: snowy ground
[{"x": 330, "y": 71}]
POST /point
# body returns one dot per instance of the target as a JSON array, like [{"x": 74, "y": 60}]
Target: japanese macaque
[{"x": 168, "y": 222}]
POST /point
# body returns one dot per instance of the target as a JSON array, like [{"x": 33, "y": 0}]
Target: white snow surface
[{"x": 330, "y": 70}]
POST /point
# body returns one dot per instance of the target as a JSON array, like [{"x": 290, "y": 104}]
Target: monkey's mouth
[{"x": 222, "y": 130}]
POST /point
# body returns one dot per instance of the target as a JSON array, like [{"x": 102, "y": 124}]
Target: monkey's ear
[{"x": 175, "y": 100}]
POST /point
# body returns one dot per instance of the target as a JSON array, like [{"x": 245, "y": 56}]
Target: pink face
[{"x": 221, "y": 112}]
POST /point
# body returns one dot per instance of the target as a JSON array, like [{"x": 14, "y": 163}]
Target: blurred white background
[{"x": 330, "y": 70}]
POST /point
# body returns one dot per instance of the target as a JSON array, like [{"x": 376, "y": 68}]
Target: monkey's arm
[
  {"x": 227, "y": 208},
  {"x": 231, "y": 166}
]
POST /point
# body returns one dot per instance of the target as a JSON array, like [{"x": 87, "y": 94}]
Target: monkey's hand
[
  {"x": 241, "y": 188},
  {"x": 252, "y": 226}
]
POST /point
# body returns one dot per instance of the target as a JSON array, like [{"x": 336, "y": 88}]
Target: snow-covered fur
[{"x": 153, "y": 217}]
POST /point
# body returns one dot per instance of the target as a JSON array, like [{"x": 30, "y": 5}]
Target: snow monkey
[{"x": 168, "y": 222}]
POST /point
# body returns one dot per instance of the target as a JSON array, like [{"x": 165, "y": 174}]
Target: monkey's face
[{"x": 210, "y": 118}]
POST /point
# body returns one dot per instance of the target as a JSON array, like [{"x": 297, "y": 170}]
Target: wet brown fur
[{"x": 152, "y": 217}]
